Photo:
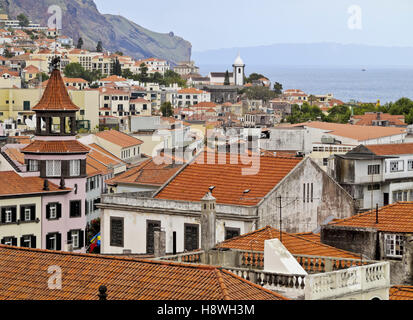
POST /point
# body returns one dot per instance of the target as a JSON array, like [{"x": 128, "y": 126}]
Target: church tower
[
  {"x": 239, "y": 71},
  {"x": 56, "y": 156}
]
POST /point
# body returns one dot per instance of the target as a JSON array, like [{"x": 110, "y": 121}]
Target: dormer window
[
  {"x": 74, "y": 168},
  {"x": 33, "y": 165}
]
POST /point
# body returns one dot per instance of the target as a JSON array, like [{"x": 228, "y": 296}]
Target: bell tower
[{"x": 239, "y": 71}]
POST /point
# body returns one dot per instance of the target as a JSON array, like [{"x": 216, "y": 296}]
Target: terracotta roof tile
[
  {"x": 359, "y": 133},
  {"x": 396, "y": 217},
  {"x": 193, "y": 182},
  {"x": 119, "y": 138},
  {"x": 69, "y": 146},
  {"x": 147, "y": 173},
  {"x": 125, "y": 278},
  {"x": 15, "y": 155},
  {"x": 55, "y": 96},
  {"x": 401, "y": 293},
  {"x": 295, "y": 244},
  {"x": 13, "y": 184},
  {"x": 367, "y": 119},
  {"x": 391, "y": 149}
]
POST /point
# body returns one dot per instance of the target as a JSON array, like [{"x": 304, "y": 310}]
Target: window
[
  {"x": 116, "y": 232},
  {"x": 400, "y": 196},
  {"x": 75, "y": 208},
  {"x": 9, "y": 241},
  {"x": 372, "y": 187},
  {"x": 75, "y": 237},
  {"x": 28, "y": 212},
  {"x": 8, "y": 214},
  {"x": 231, "y": 233},
  {"x": 396, "y": 166},
  {"x": 28, "y": 241},
  {"x": 373, "y": 169},
  {"x": 304, "y": 192},
  {"x": 74, "y": 168},
  {"x": 53, "y": 168},
  {"x": 54, "y": 241},
  {"x": 394, "y": 245},
  {"x": 33, "y": 165},
  {"x": 150, "y": 235},
  {"x": 325, "y": 161},
  {"x": 191, "y": 237},
  {"x": 26, "y": 105},
  {"x": 410, "y": 165},
  {"x": 53, "y": 211}
]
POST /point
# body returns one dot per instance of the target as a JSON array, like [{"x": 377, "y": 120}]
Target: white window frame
[
  {"x": 53, "y": 168},
  {"x": 394, "y": 245},
  {"x": 28, "y": 239},
  {"x": 53, "y": 240},
  {"x": 398, "y": 166},
  {"x": 373, "y": 169},
  {"x": 75, "y": 239},
  {"x": 33, "y": 165},
  {"x": 9, "y": 216},
  {"x": 74, "y": 168},
  {"x": 53, "y": 211},
  {"x": 9, "y": 242},
  {"x": 27, "y": 214}
]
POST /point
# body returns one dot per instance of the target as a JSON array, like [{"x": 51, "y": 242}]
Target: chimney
[
  {"x": 62, "y": 183},
  {"x": 46, "y": 185},
  {"x": 159, "y": 242},
  {"x": 208, "y": 222},
  {"x": 378, "y": 115}
]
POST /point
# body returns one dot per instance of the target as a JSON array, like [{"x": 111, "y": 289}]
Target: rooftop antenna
[{"x": 211, "y": 188}]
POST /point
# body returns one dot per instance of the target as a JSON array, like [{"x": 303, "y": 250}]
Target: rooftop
[
  {"x": 396, "y": 217},
  {"x": 23, "y": 276},
  {"x": 295, "y": 244},
  {"x": 119, "y": 138},
  {"x": 193, "y": 181},
  {"x": 359, "y": 133},
  {"x": 55, "y": 96},
  {"x": 12, "y": 184},
  {"x": 69, "y": 146},
  {"x": 401, "y": 293}
]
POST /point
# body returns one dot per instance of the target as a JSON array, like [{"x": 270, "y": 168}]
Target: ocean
[{"x": 386, "y": 84}]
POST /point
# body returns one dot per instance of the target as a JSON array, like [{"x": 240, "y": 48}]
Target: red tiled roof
[
  {"x": 294, "y": 244},
  {"x": 191, "y": 91},
  {"x": 396, "y": 217},
  {"x": 15, "y": 155},
  {"x": 24, "y": 276},
  {"x": 13, "y": 184},
  {"x": 367, "y": 119},
  {"x": 401, "y": 293},
  {"x": 55, "y": 96},
  {"x": 69, "y": 146},
  {"x": 147, "y": 173},
  {"x": 391, "y": 149},
  {"x": 193, "y": 182},
  {"x": 119, "y": 138}
]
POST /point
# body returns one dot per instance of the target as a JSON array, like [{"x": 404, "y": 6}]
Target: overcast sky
[{"x": 215, "y": 24}]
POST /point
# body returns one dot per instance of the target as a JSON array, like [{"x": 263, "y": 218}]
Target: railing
[
  {"x": 311, "y": 264},
  {"x": 349, "y": 281},
  {"x": 191, "y": 257},
  {"x": 290, "y": 285}
]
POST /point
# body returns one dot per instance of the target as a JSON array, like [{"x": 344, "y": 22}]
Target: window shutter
[
  {"x": 14, "y": 241},
  {"x": 33, "y": 241},
  {"x": 14, "y": 214},
  {"x": 59, "y": 210},
  {"x": 81, "y": 238},
  {"x": 33, "y": 213},
  {"x": 83, "y": 167},
  {"x": 3, "y": 241},
  {"x": 3, "y": 215},
  {"x": 22, "y": 244},
  {"x": 22, "y": 208},
  {"x": 69, "y": 237},
  {"x": 47, "y": 213},
  {"x": 48, "y": 245},
  {"x": 58, "y": 241}
]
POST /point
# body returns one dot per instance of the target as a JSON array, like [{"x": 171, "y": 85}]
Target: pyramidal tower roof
[{"x": 55, "y": 97}]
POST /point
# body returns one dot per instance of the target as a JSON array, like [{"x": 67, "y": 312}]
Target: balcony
[{"x": 328, "y": 278}]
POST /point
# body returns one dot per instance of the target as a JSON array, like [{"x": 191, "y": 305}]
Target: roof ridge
[{"x": 221, "y": 283}]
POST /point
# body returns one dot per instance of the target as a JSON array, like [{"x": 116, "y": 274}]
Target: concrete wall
[{"x": 298, "y": 214}]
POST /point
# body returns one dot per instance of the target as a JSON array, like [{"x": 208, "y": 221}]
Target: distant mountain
[
  {"x": 81, "y": 18},
  {"x": 314, "y": 54}
]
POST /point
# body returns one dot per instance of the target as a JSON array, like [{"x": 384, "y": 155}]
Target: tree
[
  {"x": 99, "y": 47},
  {"x": 254, "y": 76},
  {"x": 117, "y": 68},
  {"x": 119, "y": 53},
  {"x": 127, "y": 74},
  {"x": 312, "y": 98},
  {"x": 259, "y": 93},
  {"x": 7, "y": 53},
  {"x": 226, "y": 80},
  {"x": 79, "y": 43},
  {"x": 75, "y": 70},
  {"x": 43, "y": 76},
  {"x": 23, "y": 20},
  {"x": 166, "y": 109},
  {"x": 143, "y": 73},
  {"x": 278, "y": 88}
]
